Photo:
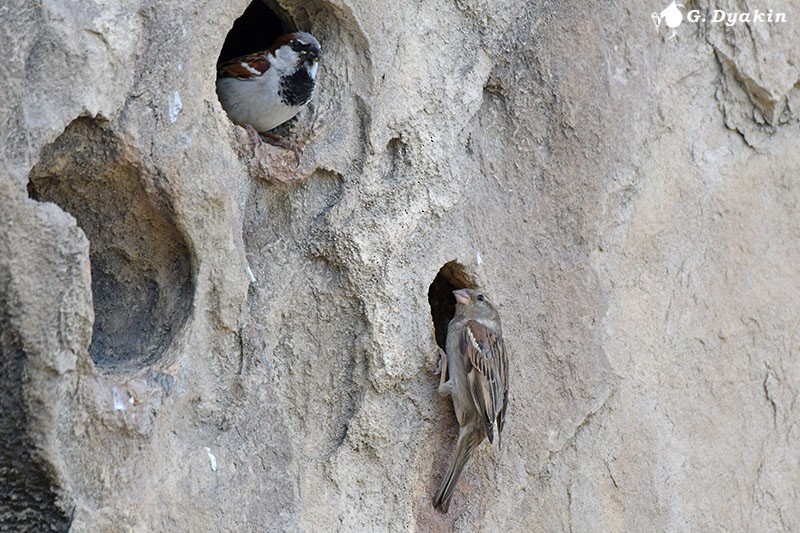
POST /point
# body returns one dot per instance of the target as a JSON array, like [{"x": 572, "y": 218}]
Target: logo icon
[{"x": 671, "y": 16}]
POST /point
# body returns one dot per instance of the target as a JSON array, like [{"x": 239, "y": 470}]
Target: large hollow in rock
[{"x": 142, "y": 283}]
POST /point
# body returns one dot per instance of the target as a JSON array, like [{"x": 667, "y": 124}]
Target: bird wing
[
  {"x": 487, "y": 373},
  {"x": 244, "y": 67}
]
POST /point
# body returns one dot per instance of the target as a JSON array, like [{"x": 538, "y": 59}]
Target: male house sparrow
[
  {"x": 265, "y": 89},
  {"x": 477, "y": 366}
]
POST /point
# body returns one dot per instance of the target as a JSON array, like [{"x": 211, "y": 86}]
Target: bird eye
[{"x": 481, "y": 298}]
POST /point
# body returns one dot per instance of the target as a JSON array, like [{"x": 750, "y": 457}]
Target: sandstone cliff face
[{"x": 198, "y": 337}]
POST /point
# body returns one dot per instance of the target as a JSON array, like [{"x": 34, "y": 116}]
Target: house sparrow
[
  {"x": 475, "y": 374},
  {"x": 265, "y": 89}
]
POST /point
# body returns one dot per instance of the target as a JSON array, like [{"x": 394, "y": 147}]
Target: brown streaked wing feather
[
  {"x": 244, "y": 67},
  {"x": 501, "y": 417},
  {"x": 485, "y": 353}
]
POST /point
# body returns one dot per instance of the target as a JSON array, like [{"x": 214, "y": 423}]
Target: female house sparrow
[
  {"x": 478, "y": 380},
  {"x": 265, "y": 89}
]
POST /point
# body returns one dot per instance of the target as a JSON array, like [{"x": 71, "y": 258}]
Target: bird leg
[
  {"x": 444, "y": 381},
  {"x": 255, "y": 138}
]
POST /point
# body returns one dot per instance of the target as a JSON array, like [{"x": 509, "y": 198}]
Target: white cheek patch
[
  {"x": 285, "y": 58},
  {"x": 312, "y": 71}
]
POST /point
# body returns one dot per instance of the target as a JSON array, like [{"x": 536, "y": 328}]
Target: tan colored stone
[{"x": 629, "y": 201}]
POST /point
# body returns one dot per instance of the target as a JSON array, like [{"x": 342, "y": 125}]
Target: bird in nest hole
[
  {"x": 474, "y": 372},
  {"x": 261, "y": 91}
]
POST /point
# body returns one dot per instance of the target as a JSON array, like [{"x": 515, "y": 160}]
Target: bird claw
[
  {"x": 283, "y": 143},
  {"x": 442, "y": 365},
  {"x": 444, "y": 379},
  {"x": 258, "y": 137},
  {"x": 255, "y": 137}
]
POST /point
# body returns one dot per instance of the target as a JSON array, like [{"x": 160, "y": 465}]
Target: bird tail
[{"x": 467, "y": 442}]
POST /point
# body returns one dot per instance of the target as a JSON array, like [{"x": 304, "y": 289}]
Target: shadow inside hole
[
  {"x": 142, "y": 282},
  {"x": 450, "y": 277},
  {"x": 254, "y": 31}
]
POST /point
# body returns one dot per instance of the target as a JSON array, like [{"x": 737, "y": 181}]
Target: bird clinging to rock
[
  {"x": 474, "y": 372},
  {"x": 263, "y": 90}
]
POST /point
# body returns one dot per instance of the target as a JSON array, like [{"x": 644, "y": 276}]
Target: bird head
[
  {"x": 472, "y": 303},
  {"x": 306, "y": 47},
  {"x": 295, "y": 51}
]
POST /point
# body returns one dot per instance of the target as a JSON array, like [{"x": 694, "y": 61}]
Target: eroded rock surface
[{"x": 201, "y": 334}]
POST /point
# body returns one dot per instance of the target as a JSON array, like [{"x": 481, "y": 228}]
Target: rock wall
[{"x": 198, "y": 336}]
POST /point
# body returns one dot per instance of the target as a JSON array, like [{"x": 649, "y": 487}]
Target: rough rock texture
[{"x": 196, "y": 336}]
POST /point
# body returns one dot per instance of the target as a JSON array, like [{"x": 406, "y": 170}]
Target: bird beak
[{"x": 462, "y": 297}]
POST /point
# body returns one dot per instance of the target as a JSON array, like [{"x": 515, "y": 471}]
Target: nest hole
[
  {"x": 255, "y": 30},
  {"x": 450, "y": 277},
  {"x": 142, "y": 282}
]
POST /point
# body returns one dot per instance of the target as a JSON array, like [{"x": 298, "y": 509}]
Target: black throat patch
[{"x": 296, "y": 88}]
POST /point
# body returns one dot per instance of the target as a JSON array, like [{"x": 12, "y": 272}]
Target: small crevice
[
  {"x": 31, "y": 498},
  {"x": 587, "y": 419},
  {"x": 768, "y": 395}
]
